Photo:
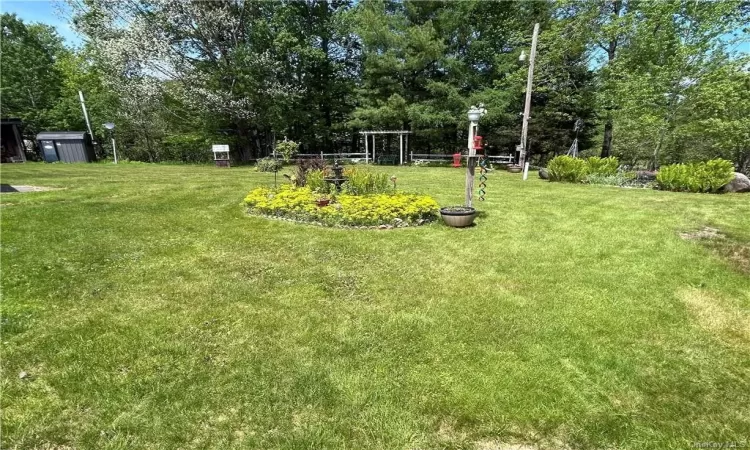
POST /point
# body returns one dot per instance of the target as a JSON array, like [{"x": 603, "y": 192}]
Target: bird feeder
[
  {"x": 478, "y": 146},
  {"x": 457, "y": 159}
]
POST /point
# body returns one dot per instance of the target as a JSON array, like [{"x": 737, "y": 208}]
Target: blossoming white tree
[{"x": 215, "y": 57}]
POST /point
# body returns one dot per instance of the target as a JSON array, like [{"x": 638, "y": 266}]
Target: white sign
[{"x": 220, "y": 148}]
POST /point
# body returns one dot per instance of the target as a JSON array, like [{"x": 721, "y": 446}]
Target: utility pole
[
  {"x": 85, "y": 114},
  {"x": 527, "y": 107}
]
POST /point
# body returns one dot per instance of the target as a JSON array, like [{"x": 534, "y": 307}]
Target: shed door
[{"x": 48, "y": 148}]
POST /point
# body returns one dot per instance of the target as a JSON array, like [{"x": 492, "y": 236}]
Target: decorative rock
[
  {"x": 741, "y": 183},
  {"x": 645, "y": 175},
  {"x": 383, "y": 227},
  {"x": 543, "y": 174}
]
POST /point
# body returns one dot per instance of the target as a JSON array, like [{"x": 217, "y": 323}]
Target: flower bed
[{"x": 300, "y": 204}]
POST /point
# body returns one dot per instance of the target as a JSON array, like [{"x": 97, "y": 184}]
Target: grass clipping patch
[{"x": 390, "y": 209}]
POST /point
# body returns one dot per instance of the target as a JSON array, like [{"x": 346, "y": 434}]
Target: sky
[
  {"x": 44, "y": 11},
  {"x": 52, "y": 12}
]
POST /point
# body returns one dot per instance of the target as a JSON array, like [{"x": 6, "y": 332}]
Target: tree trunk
[
  {"x": 655, "y": 158},
  {"x": 607, "y": 145},
  {"x": 244, "y": 153},
  {"x": 149, "y": 147},
  {"x": 258, "y": 150},
  {"x": 611, "y": 53},
  {"x": 326, "y": 106}
]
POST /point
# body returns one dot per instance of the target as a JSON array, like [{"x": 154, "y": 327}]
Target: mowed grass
[{"x": 150, "y": 312}]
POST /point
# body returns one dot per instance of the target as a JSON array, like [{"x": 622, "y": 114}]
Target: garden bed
[{"x": 300, "y": 204}]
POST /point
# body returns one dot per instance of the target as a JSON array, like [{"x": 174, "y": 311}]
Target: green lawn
[{"x": 150, "y": 312}]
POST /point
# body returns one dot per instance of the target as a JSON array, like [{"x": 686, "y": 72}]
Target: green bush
[
  {"x": 299, "y": 203},
  {"x": 287, "y": 149},
  {"x": 709, "y": 176},
  {"x": 362, "y": 181},
  {"x": 268, "y": 165},
  {"x": 672, "y": 178},
  {"x": 575, "y": 170},
  {"x": 566, "y": 168},
  {"x": 187, "y": 148},
  {"x": 601, "y": 166}
]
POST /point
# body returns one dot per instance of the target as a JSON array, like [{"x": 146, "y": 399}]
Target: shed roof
[{"x": 61, "y": 135}]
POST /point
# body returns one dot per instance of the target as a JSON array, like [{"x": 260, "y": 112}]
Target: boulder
[
  {"x": 741, "y": 183},
  {"x": 543, "y": 174}
]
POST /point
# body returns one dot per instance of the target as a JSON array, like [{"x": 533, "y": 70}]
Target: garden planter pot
[
  {"x": 514, "y": 168},
  {"x": 458, "y": 216}
]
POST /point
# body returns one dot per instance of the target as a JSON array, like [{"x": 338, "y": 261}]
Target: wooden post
[
  {"x": 374, "y": 161},
  {"x": 401, "y": 148},
  {"x": 367, "y": 151},
  {"x": 527, "y": 107},
  {"x": 470, "y": 165},
  {"x": 407, "y": 145}
]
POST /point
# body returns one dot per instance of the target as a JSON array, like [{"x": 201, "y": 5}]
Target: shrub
[
  {"x": 186, "y": 148},
  {"x": 362, "y": 181},
  {"x": 374, "y": 209},
  {"x": 672, "y": 177},
  {"x": 708, "y": 176},
  {"x": 566, "y": 168},
  {"x": 601, "y": 166},
  {"x": 268, "y": 165},
  {"x": 574, "y": 170},
  {"x": 287, "y": 149}
]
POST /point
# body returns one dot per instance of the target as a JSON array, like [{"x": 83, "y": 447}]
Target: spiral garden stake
[{"x": 482, "y": 177}]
